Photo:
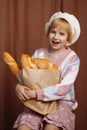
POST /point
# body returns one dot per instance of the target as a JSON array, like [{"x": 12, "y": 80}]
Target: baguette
[
  {"x": 43, "y": 63},
  {"x": 10, "y": 61},
  {"x": 24, "y": 61},
  {"x": 27, "y": 62},
  {"x": 36, "y": 63}
]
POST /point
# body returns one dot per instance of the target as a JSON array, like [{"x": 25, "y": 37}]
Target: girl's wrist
[
  {"x": 34, "y": 95},
  {"x": 31, "y": 94}
]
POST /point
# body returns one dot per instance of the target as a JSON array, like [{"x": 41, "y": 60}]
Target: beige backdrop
[{"x": 22, "y": 31}]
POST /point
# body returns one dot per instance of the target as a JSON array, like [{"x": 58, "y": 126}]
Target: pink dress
[{"x": 63, "y": 93}]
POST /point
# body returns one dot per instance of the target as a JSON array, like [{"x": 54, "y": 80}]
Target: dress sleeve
[
  {"x": 35, "y": 55},
  {"x": 39, "y": 53},
  {"x": 59, "y": 91}
]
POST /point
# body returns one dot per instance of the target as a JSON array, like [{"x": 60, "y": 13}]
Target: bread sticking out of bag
[
  {"x": 11, "y": 62},
  {"x": 24, "y": 61},
  {"x": 27, "y": 62},
  {"x": 43, "y": 63},
  {"x": 37, "y": 63}
]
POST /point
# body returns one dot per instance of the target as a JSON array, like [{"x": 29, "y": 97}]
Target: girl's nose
[{"x": 56, "y": 36}]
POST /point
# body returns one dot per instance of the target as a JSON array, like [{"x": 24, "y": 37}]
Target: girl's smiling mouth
[{"x": 55, "y": 42}]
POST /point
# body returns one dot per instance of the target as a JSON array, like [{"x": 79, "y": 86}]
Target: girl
[{"x": 62, "y": 30}]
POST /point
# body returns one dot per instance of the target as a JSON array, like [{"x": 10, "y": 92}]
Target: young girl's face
[
  {"x": 59, "y": 34},
  {"x": 58, "y": 38}
]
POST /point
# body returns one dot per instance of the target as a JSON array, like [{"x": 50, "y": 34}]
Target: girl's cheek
[{"x": 50, "y": 35}]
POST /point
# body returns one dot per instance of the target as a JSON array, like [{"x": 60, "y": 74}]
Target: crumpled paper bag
[{"x": 37, "y": 79}]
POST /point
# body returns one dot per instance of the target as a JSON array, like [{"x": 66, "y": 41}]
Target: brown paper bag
[{"x": 36, "y": 79}]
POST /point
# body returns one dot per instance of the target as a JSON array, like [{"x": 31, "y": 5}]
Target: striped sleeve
[{"x": 59, "y": 91}]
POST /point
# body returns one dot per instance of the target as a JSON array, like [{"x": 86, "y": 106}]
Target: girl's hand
[
  {"x": 20, "y": 91},
  {"x": 31, "y": 94}
]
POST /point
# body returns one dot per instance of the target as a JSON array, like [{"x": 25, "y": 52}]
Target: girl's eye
[
  {"x": 61, "y": 33},
  {"x": 52, "y": 31}
]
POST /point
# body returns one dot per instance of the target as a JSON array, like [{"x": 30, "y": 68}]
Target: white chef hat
[{"x": 71, "y": 19}]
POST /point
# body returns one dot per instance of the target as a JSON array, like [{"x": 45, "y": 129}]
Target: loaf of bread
[
  {"x": 28, "y": 63},
  {"x": 36, "y": 63},
  {"x": 43, "y": 63},
  {"x": 24, "y": 61},
  {"x": 10, "y": 61}
]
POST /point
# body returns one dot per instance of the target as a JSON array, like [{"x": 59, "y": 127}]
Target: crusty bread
[
  {"x": 27, "y": 62},
  {"x": 24, "y": 61},
  {"x": 44, "y": 63},
  {"x": 36, "y": 63},
  {"x": 10, "y": 61}
]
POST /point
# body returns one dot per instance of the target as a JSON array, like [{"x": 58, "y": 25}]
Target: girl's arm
[{"x": 60, "y": 90}]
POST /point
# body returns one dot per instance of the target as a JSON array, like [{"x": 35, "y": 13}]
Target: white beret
[{"x": 71, "y": 19}]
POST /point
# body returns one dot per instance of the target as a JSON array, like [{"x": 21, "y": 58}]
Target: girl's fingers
[
  {"x": 22, "y": 96},
  {"x": 25, "y": 96},
  {"x": 26, "y": 88}
]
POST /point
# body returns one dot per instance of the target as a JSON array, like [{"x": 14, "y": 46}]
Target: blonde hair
[{"x": 63, "y": 25}]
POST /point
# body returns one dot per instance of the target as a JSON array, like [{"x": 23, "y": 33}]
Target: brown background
[{"x": 22, "y": 31}]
